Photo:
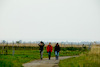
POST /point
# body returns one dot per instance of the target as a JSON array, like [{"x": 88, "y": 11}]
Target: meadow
[
  {"x": 29, "y": 53},
  {"x": 88, "y": 59}
]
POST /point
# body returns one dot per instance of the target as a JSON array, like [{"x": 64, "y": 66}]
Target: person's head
[
  {"x": 41, "y": 43},
  {"x": 49, "y": 43},
  {"x": 57, "y": 44}
]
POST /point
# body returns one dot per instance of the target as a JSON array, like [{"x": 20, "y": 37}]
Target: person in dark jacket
[
  {"x": 56, "y": 50},
  {"x": 41, "y": 46}
]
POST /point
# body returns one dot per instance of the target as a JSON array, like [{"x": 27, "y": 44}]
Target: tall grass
[
  {"x": 89, "y": 59},
  {"x": 95, "y": 50}
]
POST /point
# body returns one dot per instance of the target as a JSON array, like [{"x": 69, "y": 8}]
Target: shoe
[{"x": 41, "y": 58}]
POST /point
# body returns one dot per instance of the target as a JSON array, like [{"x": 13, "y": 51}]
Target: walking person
[
  {"x": 49, "y": 50},
  {"x": 56, "y": 50},
  {"x": 41, "y": 46}
]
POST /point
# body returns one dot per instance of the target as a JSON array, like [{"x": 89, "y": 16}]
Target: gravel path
[{"x": 45, "y": 62}]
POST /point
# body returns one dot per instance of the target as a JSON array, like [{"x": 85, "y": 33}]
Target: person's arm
[
  {"x": 39, "y": 44},
  {"x": 54, "y": 48},
  {"x": 47, "y": 48},
  {"x": 51, "y": 48},
  {"x": 59, "y": 48},
  {"x": 43, "y": 44}
]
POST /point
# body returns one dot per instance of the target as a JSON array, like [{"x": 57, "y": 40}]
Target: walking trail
[{"x": 45, "y": 62}]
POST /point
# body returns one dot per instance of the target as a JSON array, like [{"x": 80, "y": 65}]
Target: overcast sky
[{"x": 50, "y": 20}]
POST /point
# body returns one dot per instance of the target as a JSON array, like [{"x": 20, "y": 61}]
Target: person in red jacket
[{"x": 49, "y": 50}]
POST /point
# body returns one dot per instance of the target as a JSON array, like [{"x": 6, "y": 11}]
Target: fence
[{"x": 12, "y": 48}]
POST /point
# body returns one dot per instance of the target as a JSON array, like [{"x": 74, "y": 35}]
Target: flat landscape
[
  {"x": 19, "y": 56},
  {"x": 32, "y": 29}
]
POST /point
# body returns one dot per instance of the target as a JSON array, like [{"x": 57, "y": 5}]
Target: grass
[
  {"x": 90, "y": 59},
  {"x": 19, "y": 58},
  {"x": 22, "y": 56}
]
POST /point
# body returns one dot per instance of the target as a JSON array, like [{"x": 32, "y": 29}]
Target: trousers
[
  {"x": 56, "y": 54},
  {"x": 41, "y": 54},
  {"x": 49, "y": 55}
]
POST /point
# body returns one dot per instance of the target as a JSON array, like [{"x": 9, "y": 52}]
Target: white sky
[{"x": 50, "y": 20}]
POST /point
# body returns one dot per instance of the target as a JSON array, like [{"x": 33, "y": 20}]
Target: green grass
[
  {"x": 20, "y": 57},
  {"x": 86, "y": 60},
  {"x": 23, "y": 56}
]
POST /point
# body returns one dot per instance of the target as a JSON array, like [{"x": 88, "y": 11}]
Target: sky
[{"x": 50, "y": 20}]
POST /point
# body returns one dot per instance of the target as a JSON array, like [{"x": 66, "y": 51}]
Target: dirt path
[{"x": 45, "y": 62}]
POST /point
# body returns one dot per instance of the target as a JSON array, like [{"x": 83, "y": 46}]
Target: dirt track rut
[{"x": 45, "y": 62}]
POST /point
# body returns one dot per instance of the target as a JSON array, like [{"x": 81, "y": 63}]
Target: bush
[{"x": 71, "y": 48}]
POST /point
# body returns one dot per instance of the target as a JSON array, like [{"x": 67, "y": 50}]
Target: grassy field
[
  {"x": 90, "y": 59},
  {"x": 23, "y": 55}
]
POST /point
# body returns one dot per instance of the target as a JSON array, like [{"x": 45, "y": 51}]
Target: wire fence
[{"x": 14, "y": 48}]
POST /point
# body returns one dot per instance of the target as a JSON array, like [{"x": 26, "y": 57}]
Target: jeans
[
  {"x": 56, "y": 54},
  {"x": 41, "y": 54},
  {"x": 49, "y": 55}
]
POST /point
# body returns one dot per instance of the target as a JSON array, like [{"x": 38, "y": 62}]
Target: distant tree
[
  {"x": 18, "y": 42},
  {"x": 94, "y": 42},
  {"x": 3, "y": 41}
]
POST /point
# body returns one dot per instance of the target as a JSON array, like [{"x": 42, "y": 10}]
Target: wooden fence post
[
  {"x": 6, "y": 48},
  {"x": 89, "y": 46},
  {"x": 13, "y": 51},
  {"x": 2, "y": 48},
  {"x": 24, "y": 45}
]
